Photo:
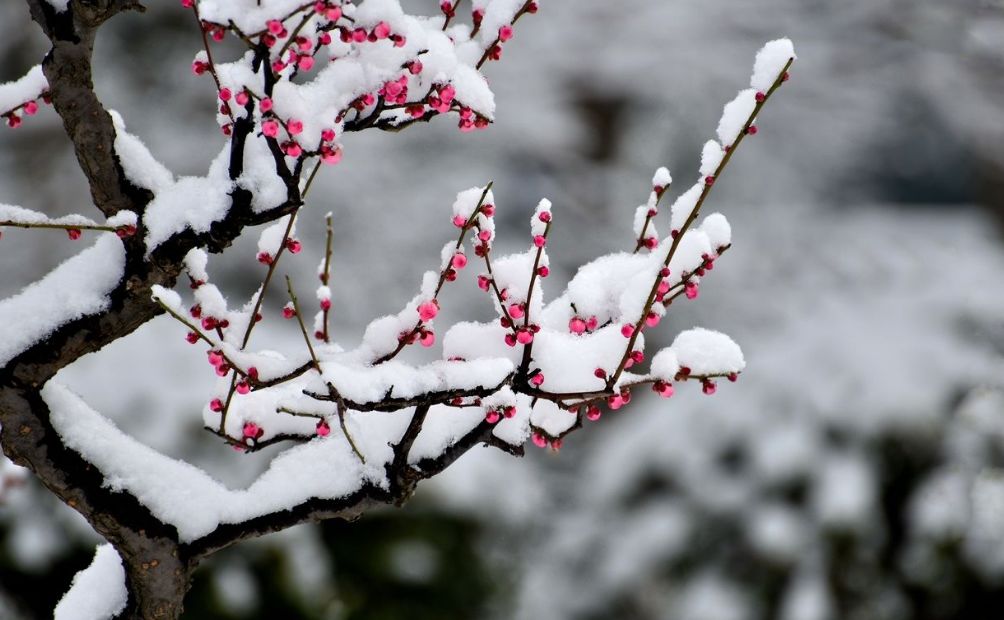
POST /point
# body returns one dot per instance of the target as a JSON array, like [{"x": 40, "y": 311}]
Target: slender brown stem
[
  {"x": 468, "y": 225},
  {"x": 53, "y": 225},
  {"x": 690, "y": 220},
  {"x": 299, "y": 320}
]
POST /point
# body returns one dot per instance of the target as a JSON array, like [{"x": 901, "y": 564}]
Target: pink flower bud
[
  {"x": 539, "y": 241},
  {"x": 325, "y": 304},
  {"x": 428, "y": 310},
  {"x": 216, "y": 405},
  {"x": 485, "y": 235},
  {"x": 192, "y": 337},
  {"x": 483, "y": 283},
  {"x": 225, "y": 94},
  {"x": 30, "y": 108},
  {"x": 733, "y": 377},
  {"x": 292, "y": 149},
  {"x": 265, "y": 105},
  {"x": 690, "y": 290},
  {"x": 293, "y": 245},
  {"x": 516, "y": 311},
  {"x": 537, "y": 379},
  {"x": 275, "y": 27},
  {"x": 305, "y": 63},
  {"x": 627, "y": 330},
  {"x": 322, "y": 428},
  {"x": 525, "y": 336},
  {"x": 294, "y": 127},
  {"x": 208, "y": 323},
  {"x": 331, "y": 156},
  {"x": 539, "y": 440},
  {"x": 252, "y": 430},
  {"x": 543, "y": 271},
  {"x": 243, "y": 387},
  {"x": 709, "y": 180},
  {"x": 760, "y": 97},
  {"x": 415, "y": 67},
  {"x": 509, "y": 412},
  {"x": 328, "y": 135},
  {"x": 459, "y": 221},
  {"x": 510, "y": 340},
  {"x": 447, "y": 93},
  {"x": 459, "y": 261},
  {"x": 270, "y": 128},
  {"x": 708, "y": 387},
  {"x": 505, "y": 33},
  {"x": 288, "y": 311},
  {"x": 73, "y": 233},
  {"x": 593, "y": 413},
  {"x": 428, "y": 338},
  {"x": 265, "y": 258},
  {"x": 492, "y": 416},
  {"x": 663, "y": 389},
  {"x": 382, "y": 30},
  {"x": 576, "y": 325}
]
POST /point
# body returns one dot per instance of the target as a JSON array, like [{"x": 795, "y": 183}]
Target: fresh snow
[
  {"x": 98, "y": 592},
  {"x": 78, "y": 287}
]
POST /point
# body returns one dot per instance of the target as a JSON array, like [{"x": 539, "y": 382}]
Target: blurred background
[{"x": 855, "y": 471}]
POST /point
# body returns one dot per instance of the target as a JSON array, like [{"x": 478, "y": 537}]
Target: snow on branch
[
  {"x": 551, "y": 364},
  {"x": 79, "y": 287},
  {"x": 98, "y": 592},
  {"x": 184, "y": 496},
  {"x": 20, "y": 97}
]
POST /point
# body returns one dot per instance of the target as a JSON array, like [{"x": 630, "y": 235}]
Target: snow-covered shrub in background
[{"x": 366, "y": 426}]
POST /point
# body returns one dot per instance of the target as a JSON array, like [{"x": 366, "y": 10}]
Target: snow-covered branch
[{"x": 365, "y": 425}]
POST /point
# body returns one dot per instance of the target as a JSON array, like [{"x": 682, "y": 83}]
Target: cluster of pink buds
[
  {"x": 252, "y": 431},
  {"x": 522, "y": 334},
  {"x": 28, "y": 108},
  {"x": 663, "y": 288},
  {"x": 541, "y": 441},
  {"x": 442, "y": 98},
  {"x": 636, "y": 357},
  {"x": 492, "y": 416},
  {"x": 663, "y": 388},
  {"x": 380, "y": 32},
  {"x": 218, "y": 362},
  {"x": 395, "y": 91},
  {"x": 616, "y": 401},
  {"x": 578, "y": 325},
  {"x": 469, "y": 120},
  {"x": 330, "y": 152},
  {"x": 215, "y": 31}
]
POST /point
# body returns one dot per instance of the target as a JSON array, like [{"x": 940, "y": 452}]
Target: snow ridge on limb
[
  {"x": 98, "y": 592},
  {"x": 560, "y": 361},
  {"x": 20, "y": 98}
]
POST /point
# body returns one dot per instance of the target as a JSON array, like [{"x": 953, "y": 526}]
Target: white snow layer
[
  {"x": 24, "y": 89},
  {"x": 770, "y": 60},
  {"x": 78, "y": 287},
  {"x": 98, "y": 592},
  {"x": 186, "y": 497}
]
